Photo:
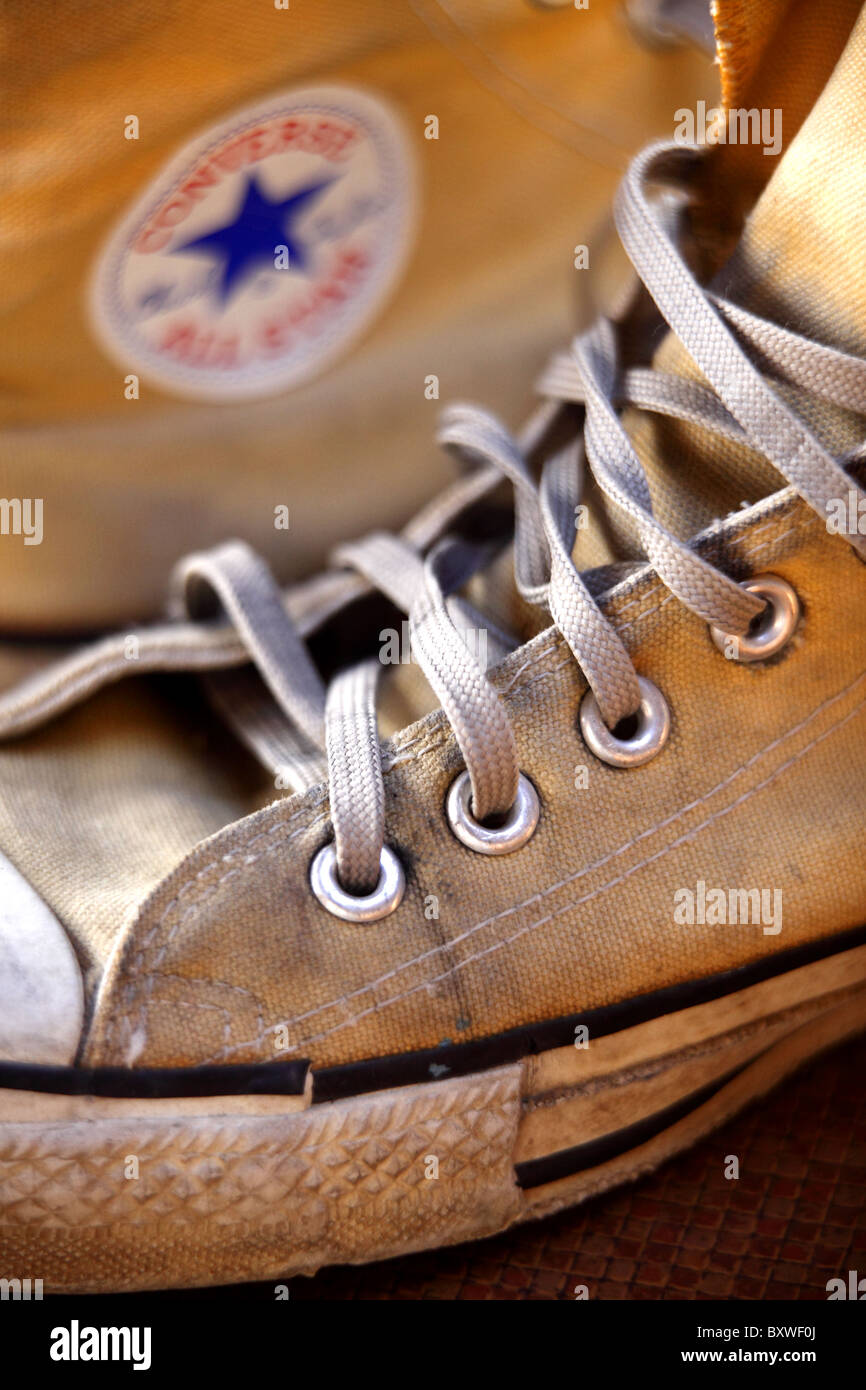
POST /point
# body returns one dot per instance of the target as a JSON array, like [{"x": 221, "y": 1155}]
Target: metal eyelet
[
  {"x": 649, "y": 738},
  {"x": 773, "y": 629},
  {"x": 518, "y": 826},
  {"x": 383, "y": 900}
]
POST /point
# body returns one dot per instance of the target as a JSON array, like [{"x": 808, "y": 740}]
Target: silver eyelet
[
  {"x": 649, "y": 738},
  {"x": 775, "y": 627},
  {"x": 385, "y": 897},
  {"x": 518, "y": 826}
]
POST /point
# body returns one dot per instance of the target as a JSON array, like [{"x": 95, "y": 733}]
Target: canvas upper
[{"x": 155, "y": 839}]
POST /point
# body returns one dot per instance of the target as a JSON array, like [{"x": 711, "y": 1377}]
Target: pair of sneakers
[{"x": 515, "y": 849}]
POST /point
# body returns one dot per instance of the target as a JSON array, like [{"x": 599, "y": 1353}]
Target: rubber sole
[{"x": 103, "y": 1194}]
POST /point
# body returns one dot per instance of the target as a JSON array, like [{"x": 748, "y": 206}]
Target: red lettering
[
  {"x": 200, "y": 349},
  {"x": 290, "y": 130},
  {"x": 172, "y": 213},
  {"x": 196, "y": 185},
  {"x": 150, "y": 239},
  {"x": 230, "y": 157},
  {"x": 331, "y": 140},
  {"x": 179, "y": 340},
  {"x": 260, "y": 143}
]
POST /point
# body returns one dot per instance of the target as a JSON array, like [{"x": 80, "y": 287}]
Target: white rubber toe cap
[{"x": 41, "y": 990}]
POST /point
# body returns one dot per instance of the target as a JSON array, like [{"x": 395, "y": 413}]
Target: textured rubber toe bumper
[{"x": 100, "y": 1192}]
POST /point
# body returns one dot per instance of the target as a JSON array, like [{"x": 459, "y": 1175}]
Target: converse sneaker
[{"x": 516, "y": 850}]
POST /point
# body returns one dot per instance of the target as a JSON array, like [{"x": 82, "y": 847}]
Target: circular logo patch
[{"x": 263, "y": 250}]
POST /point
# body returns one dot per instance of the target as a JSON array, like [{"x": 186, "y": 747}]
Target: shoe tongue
[
  {"x": 799, "y": 261},
  {"x": 796, "y": 263}
]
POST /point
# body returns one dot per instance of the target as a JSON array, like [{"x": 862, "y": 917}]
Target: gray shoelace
[{"x": 231, "y": 622}]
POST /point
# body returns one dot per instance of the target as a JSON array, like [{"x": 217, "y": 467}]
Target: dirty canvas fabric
[
  {"x": 762, "y": 769},
  {"x": 797, "y": 263}
]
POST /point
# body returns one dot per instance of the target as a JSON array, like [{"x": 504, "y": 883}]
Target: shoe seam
[
  {"x": 141, "y": 981},
  {"x": 577, "y": 902}
]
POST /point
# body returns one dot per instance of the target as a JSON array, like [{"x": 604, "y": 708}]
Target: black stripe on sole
[
  {"x": 448, "y": 1059},
  {"x": 564, "y": 1163},
  {"x": 457, "y": 1059},
  {"x": 153, "y": 1083}
]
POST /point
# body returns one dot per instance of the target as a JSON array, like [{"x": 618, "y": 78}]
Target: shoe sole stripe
[{"x": 288, "y": 1078}]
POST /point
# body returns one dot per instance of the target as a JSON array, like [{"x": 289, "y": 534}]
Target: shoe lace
[{"x": 230, "y": 622}]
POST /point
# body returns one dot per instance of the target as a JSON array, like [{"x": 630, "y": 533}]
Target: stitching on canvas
[
  {"x": 137, "y": 964},
  {"x": 343, "y": 1000},
  {"x": 201, "y": 896},
  {"x": 134, "y": 985},
  {"x": 185, "y": 1001},
  {"x": 541, "y": 921}
]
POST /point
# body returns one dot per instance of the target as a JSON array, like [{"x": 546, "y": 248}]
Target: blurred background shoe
[{"x": 245, "y": 249}]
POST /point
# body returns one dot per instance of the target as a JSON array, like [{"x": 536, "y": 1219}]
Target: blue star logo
[{"x": 259, "y": 227}]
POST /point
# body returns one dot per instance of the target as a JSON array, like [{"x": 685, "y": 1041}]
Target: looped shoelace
[{"x": 231, "y": 622}]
